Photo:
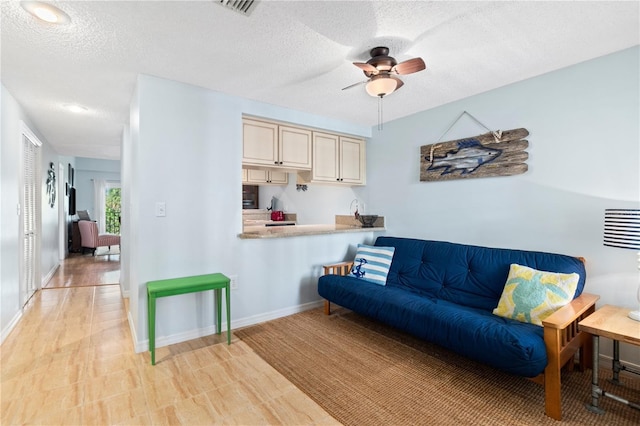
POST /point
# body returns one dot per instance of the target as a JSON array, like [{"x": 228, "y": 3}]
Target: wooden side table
[{"x": 612, "y": 322}]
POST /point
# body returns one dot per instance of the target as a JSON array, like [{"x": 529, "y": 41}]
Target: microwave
[{"x": 250, "y": 196}]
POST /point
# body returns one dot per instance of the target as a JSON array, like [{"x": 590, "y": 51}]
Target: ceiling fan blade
[
  {"x": 355, "y": 84},
  {"x": 366, "y": 67},
  {"x": 410, "y": 66}
]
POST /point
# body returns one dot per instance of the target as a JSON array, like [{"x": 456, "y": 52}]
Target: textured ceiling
[{"x": 296, "y": 54}]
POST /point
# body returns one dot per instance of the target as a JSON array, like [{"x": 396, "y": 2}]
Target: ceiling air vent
[{"x": 241, "y": 6}]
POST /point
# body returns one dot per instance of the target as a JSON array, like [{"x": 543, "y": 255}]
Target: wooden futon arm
[
  {"x": 342, "y": 268},
  {"x": 563, "y": 340},
  {"x": 568, "y": 313}
]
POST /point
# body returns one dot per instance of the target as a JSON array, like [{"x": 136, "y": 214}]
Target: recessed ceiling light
[
  {"x": 76, "y": 108},
  {"x": 46, "y": 12}
]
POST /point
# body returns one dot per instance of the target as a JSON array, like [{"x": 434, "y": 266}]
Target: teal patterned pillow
[
  {"x": 531, "y": 295},
  {"x": 372, "y": 263}
]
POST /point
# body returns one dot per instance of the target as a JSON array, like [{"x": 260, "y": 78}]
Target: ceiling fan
[{"x": 381, "y": 71}]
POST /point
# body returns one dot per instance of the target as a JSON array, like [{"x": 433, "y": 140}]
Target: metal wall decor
[
  {"x": 51, "y": 184},
  {"x": 496, "y": 153}
]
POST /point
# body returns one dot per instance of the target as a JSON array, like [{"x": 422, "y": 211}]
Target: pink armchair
[{"x": 90, "y": 238}]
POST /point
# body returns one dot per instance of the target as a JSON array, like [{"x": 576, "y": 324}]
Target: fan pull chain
[{"x": 380, "y": 125}]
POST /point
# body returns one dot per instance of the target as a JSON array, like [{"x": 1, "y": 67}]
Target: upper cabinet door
[
  {"x": 257, "y": 176},
  {"x": 325, "y": 158},
  {"x": 278, "y": 177},
  {"x": 266, "y": 177},
  {"x": 294, "y": 148},
  {"x": 352, "y": 161},
  {"x": 259, "y": 143}
]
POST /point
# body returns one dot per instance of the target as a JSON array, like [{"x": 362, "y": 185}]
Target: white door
[{"x": 30, "y": 216}]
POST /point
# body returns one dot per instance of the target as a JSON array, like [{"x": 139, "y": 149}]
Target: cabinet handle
[{"x": 275, "y": 162}]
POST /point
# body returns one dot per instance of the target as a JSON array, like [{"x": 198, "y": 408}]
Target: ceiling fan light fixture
[
  {"x": 46, "y": 12},
  {"x": 381, "y": 85}
]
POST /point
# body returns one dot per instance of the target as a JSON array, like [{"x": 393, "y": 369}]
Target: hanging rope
[{"x": 497, "y": 134}]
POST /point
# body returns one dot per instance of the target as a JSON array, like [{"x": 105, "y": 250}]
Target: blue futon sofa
[{"x": 445, "y": 293}]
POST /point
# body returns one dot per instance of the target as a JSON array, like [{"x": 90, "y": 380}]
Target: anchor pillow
[
  {"x": 372, "y": 263},
  {"x": 531, "y": 295}
]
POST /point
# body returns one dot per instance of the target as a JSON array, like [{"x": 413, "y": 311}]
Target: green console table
[{"x": 175, "y": 286}]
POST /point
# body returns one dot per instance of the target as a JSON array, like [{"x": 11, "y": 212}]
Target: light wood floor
[
  {"x": 80, "y": 270},
  {"x": 70, "y": 360}
]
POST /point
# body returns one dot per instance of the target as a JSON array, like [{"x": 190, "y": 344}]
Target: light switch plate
[{"x": 161, "y": 209}]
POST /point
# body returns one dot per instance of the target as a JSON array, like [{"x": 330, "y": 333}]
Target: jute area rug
[{"x": 364, "y": 373}]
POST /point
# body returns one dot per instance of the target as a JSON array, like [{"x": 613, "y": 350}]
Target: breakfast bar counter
[{"x": 257, "y": 232}]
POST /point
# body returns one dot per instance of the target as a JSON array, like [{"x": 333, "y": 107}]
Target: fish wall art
[{"x": 500, "y": 153}]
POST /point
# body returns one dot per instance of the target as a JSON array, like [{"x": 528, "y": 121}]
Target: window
[{"x": 112, "y": 208}]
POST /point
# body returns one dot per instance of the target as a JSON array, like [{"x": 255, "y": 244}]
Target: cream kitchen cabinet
[
  {"x": 336, "y": 159},
  {"x": 275, "y": 145},
  {"x": 264, "y": 177}
]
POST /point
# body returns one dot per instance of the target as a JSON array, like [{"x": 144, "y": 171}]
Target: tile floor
[{"x": 70, "y": 360}]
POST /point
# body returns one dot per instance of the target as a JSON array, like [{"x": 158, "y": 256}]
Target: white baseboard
[
  {"x": 48, "y": 277},
  {"x": 268, "y": 316},
  {"x": 143, "y": 346},
  {"x": 12, "y": 324},
  {"x": 606, "y": 360},
  {"x": 134, "y": 336}
]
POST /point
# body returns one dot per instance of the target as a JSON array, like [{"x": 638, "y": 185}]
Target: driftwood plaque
[{"x": 490, "y": 154}]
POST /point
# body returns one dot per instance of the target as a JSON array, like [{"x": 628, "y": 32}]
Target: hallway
[{"x": 70, "y": 360}]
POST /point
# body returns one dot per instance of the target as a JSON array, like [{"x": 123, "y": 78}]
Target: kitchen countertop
[{"x": 258, "y": 232}]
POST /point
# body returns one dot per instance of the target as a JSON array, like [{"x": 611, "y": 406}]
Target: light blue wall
[
  {"x": 185, "y": 148},
  {"x": 86, "y": 171},
  {"x": 584, "y": 156},
  {"x": 11, "y": 117},
  {"x": 185, "y": 143},
  {"x": 50, "y": 217},
  {"x": 9, "y": 224}
]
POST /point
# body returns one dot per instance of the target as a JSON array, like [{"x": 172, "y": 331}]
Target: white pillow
[{"x": 83, "y": 215}]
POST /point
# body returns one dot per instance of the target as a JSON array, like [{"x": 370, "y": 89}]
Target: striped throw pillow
[{"x": 372, "y": 263}]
